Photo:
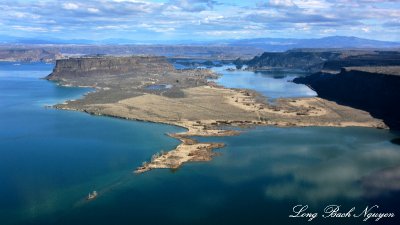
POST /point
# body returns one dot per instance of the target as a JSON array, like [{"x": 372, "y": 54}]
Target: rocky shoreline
[
  {"x": 199, "y": 106},
  {"x": 191, "y": 151}
]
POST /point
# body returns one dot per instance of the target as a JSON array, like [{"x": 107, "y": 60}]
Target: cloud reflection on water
[
  {"x": 382, "y": 182},
  {"x": 309, "y": 164}
]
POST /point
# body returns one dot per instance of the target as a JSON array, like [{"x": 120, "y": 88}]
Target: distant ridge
[
  {"x": 266, "y": 44},
  {"x": 283, "y": 44}
]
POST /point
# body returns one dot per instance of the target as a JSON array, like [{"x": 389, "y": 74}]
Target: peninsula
[{"x": 150, "y": 89}]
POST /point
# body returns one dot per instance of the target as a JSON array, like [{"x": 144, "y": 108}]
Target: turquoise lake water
[{"x": 51, "y": 159}]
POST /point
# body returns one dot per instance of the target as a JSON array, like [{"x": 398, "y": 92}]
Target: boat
[{"x": 92, "y": 195}]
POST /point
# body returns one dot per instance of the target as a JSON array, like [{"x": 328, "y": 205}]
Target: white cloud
[
  {"x": 328, "y": 31},
  {"x": 212, "y": 18},
  {"x": 285, "y": 3},
  {"x": 129, "y": 1},
  {"x": 112, "y": 27},
  {"x": 70, "y": 6},
  {"x": 312, "y": 4},
  {"x": 157, "y": 28},
  {"x": 29, "y": 29},
  {"x": 189, "y": 18},
  {"x": 366, "y": 29},
  {"x": 303, "y": 26},
  {"x": 233, "y": 33},
  {"x": 93, "y": 10},
  {"x": 22, "y": 15},
  {"x": 162, "y": 29}
]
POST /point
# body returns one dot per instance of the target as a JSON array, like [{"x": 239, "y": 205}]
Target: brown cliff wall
[{"x": 108, "y": 66}]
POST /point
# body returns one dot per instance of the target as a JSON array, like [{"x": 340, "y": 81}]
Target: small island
[{"x": 147, "y": 88}]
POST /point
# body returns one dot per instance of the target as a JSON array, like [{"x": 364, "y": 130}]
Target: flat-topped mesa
[{"x": 106, "y": 66}]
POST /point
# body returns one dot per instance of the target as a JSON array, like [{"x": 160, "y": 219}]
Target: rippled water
[{"x": 51, "y": 159}]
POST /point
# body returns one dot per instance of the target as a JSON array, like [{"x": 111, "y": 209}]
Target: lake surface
[
  {"x": 51, "y": 159},
  {"x": 157, "y": 87},
  {"x": 272, "y": 84}
]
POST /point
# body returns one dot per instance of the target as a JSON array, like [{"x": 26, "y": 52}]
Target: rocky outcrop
[
  {"x": 317, "y": 60},
  {"x": 376, "y": 58},
  {"x": 376, "y": 93},
  {"x": 309, "y": 61},
  {"x": 108, "y": 66}
]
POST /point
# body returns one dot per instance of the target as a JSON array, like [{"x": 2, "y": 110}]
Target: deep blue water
[{"x": 51, "y": 159}]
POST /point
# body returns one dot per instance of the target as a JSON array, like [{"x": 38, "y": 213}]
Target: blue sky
[{"x": 144, "y": 20}]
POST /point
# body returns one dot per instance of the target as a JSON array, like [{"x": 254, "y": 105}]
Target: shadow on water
[{"x": 396, "y": 141}]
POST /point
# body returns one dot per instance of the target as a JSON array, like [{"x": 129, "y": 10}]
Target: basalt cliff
[
  {"x": 373, "y": 89},
  {"x": 294, "y": 59},
  {"x": 73, "y": 68},
  {"x": 315, "y": 60}
]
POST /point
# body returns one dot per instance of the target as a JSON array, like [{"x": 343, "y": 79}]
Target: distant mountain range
[
  {"x": 283, "y": 44},
  {"x": 266, "y": 44},
  {"x": 109, "y": 41}
]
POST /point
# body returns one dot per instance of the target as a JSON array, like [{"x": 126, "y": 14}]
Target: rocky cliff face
[
  {"x": 108, "y": 66},
  {"x": 375, "y": 58},
  {"x": 376, "y": 93},
  {"x": 316, "y": 60},
  {"x": 309, "y": 61}
]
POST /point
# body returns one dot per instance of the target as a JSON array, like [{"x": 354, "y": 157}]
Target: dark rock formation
[
  {"x": 309, "y": 61},
  {"x": 107, "y": 66},
  {"x": 315, "y": 60},
  {"x": 376, "y": 93},
  {"x": 376, "y": 58}
]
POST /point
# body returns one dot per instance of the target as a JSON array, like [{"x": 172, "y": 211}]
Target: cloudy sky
[{"x": 144, "y": 20}]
